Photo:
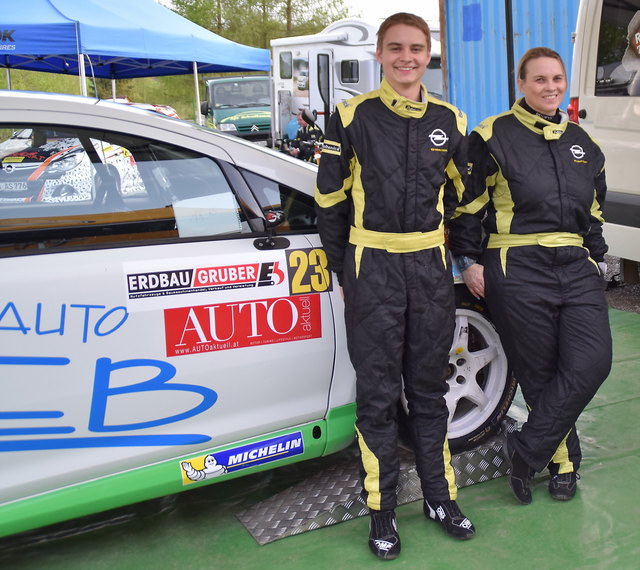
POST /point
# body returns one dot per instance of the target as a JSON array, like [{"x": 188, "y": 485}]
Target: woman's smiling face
[{"x": 544, "y": 84}]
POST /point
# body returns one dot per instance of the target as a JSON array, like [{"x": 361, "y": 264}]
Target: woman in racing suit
[{"x": 528, "y": 238}]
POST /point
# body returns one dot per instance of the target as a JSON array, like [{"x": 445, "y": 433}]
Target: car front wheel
[{"x": 481, "y": 384}]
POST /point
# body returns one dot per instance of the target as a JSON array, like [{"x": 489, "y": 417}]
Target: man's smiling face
[{"x": 404, "y": 57}]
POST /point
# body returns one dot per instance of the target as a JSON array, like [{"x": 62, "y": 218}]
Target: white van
[{"x": 605, "y": 100}]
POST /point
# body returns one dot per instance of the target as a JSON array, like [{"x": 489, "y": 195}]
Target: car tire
[{"x": 481, "y": 383}]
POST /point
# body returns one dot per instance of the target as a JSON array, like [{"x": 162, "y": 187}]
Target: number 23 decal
[{"x": 308, "y": 271}]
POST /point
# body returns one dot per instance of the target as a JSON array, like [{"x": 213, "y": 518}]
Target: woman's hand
[{"x": 474, "y": 279}]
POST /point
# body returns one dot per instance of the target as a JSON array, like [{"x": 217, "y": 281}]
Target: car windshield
[{"x": 241, "y": 94}]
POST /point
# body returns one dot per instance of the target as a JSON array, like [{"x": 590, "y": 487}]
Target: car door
[{"x": 147, "y": 316}]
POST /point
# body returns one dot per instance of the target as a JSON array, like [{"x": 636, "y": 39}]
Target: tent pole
[
  {"x": 113, "y": 88},
  {"x": 8, "y": 78},
  {"x": 81, "y": 72},
  {"x": 195, "y": 84}
]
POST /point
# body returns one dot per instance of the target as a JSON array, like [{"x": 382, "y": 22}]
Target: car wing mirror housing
[{"x": 272, "y": 219}]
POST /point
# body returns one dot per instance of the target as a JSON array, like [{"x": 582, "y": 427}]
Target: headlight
[
  {"x": 227, "y": 127},
  {"x": 66, "y": 163}
]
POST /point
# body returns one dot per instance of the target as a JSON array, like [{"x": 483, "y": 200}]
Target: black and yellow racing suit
[
  {"x": 540, "y": 186},
  {"x": 388, "y": 178},
  {"x": 305, "y": 140}
]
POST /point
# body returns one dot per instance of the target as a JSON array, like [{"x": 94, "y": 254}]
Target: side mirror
[
  {"x": 274, "y": 218},
  {"x": 271, "y": 220},
  {"x": 204, "y": 108}
]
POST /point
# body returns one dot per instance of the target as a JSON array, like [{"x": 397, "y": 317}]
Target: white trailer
[{"x": 319, "y": 71}]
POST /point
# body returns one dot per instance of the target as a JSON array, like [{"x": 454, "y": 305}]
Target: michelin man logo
[
  {"x": 577, "y": 151},
  {"x": 438, "y": 137},
  {"x": 211, "y": 469}
]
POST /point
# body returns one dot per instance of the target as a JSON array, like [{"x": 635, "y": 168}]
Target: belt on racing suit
[
  {"x": 547, "y": 239},
  {"x": 396, "y": 242}
]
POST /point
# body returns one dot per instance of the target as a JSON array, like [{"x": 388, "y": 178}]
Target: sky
[{"x": 375, "y": 11}]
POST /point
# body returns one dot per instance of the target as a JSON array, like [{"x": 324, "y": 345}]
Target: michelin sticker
[{"x": 235, "y": 459}]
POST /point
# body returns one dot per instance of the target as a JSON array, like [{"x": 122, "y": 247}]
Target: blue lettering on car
[
  {"x": 102, "y": 391},
  {"x": 107, "y": 323}
]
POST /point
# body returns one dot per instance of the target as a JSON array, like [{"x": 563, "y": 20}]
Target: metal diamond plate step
[{"x": 333, "y": 495}]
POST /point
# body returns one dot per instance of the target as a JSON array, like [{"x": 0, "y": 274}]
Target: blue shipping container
[{"x": 486, "y": 38}]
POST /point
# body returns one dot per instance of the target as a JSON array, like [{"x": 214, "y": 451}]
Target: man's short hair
[{"x": 406, "y": 19}]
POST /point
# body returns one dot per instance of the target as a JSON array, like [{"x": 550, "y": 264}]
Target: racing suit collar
[
  {"x": 550, "y": 131},
  {"x": 401, "y": 105}
]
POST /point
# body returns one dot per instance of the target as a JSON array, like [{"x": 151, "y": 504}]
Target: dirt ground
[{"x": 624, "y": 296}]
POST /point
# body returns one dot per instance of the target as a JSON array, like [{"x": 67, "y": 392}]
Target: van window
[
  {"x": 618, "y": 62},
  {"x": 286, "y": 65},
  {"x": 350, "y": 71}
]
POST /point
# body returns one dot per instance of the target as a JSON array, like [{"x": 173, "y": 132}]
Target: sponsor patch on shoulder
[{"x": 331, "y": 147}]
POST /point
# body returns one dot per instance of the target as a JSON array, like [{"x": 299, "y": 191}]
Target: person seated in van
[
  {"x": 259, "y": 96},
  {"x": 303, "y": 146},
  {"x": 223, "y": 97}
]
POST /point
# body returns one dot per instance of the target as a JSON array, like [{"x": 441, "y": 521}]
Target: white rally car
[{"x": 185, "y": 333}]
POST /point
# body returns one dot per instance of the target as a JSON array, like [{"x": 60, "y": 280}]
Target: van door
[
  {"x": 606, "y": 83},
  {"x": 321, "y": 82}
]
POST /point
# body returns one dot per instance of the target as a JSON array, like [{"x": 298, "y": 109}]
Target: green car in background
[{"x": 239, "y": 105}]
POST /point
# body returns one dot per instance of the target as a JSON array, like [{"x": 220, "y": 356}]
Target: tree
[
  {"x": 249, "y": 22},
  {"x": 256, "y": 22}
]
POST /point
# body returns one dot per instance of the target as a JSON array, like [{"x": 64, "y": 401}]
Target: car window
[
  {"x": 295, "y": 207},
  {"x": 62, "y": 187},
  {"x": 618, "y": 62}
]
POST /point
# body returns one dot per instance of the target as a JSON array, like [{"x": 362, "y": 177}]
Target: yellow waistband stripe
[
  {"x": 396, "y": 242},
  {"x": 550, "y": 239}
]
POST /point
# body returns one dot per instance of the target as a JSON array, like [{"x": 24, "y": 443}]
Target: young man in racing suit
[{"x": 389, "y": 177}]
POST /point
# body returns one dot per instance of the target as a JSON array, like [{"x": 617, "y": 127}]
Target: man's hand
[{"x": 474, "y": 279}]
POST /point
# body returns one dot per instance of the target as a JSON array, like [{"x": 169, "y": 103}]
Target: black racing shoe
[
  {"x": 384, "y": 540},
  {"x": 520, "y": 473},
  {"x": 448, "y": 514},
  {"x": 563, "y": 487}
]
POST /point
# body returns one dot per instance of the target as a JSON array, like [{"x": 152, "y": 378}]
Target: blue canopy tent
[{"x": 115, "y": 39}]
